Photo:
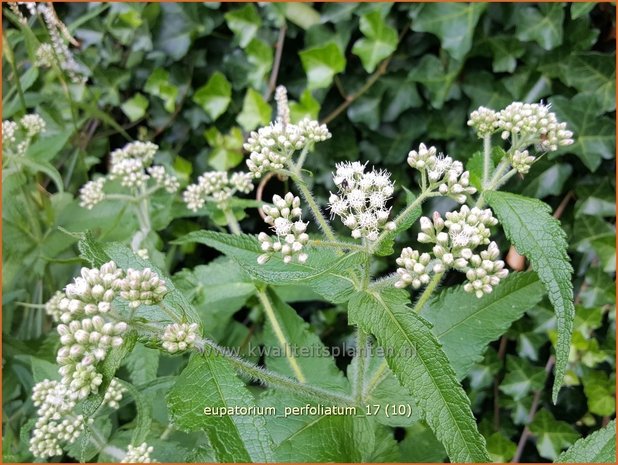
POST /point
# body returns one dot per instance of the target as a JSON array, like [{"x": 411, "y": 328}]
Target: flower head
[
  {"x": 217, "y": 187},
  {"x": 138, "y": 454},
  {"x": 179, "y": 337}
]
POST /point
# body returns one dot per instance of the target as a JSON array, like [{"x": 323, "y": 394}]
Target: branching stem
[{"x": 420, "y": 303}]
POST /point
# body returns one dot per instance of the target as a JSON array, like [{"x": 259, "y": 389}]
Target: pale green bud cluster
[
  {"x": 142, "y": 287},
  {"x": 17, "y": 135},
  {"x": 113, "y": 395},
  {"x": 179, "y": 337},
  {"x": 521, "y": 161},
  {"x": 139, "y": 454},
  {"x": 284, "y": 218}
]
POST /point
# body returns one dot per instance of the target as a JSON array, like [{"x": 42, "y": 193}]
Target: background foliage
[{"x": 195, "y": 78}]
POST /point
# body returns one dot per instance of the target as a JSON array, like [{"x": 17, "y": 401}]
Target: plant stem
[
  {"x": 272, "y": 81},
  {"x": 377, "y": 377},
  {"x": 494, "y": 182},
  {"x": 11, "y": 59},
  {"x": 283, "y": 343},
  {"x": 301, "y": 159},
  {"x": 315, "y": 209},
  {"x": 420, "y": 303},
  {"x": 275, "y": 379},
  {"x": 232, "y": 223},
  {"x": 361, "y": 357},
  {"x": 337, "y": 245},
  {"x": 486, "y": 158}
]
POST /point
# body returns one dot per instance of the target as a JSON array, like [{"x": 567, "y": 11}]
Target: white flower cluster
[
  {"x": 45, "y": 57},
  {"x": 218, "y": 187},
  {"x": 521, "y": 161},
  {"x": 55, "y": 423},
  {"x": 17, "y": 135},
  {"x": 290, "y": 231},
  {"x": 53, "y": 306},
  {"x": 443, "y": 173},
  {"x": 455, "y": 240},
  {"x": 132, "y": 165},
  {"x": 114, "y": 393},
  {"x": 138, "y": 454},
  {"x": 179, "y": 337},
  {"x": 142, "y": 287},
  {"x": 531, "y": 123},
  {"x": 361, "y": 200},
  {"x": 271, "y": 147}
]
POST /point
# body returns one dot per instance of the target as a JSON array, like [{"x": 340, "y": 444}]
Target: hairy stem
[
  {"x": 232, "y": 222},
  {"x": 375, "y": 380},
  {"x": 276, "y": 380},
  {"x": 486, "y": 158},
  {"x": 420, "y": 303},
  {"x": 315, "y": 209},
  {"x": 301, "y": 159},
  {"x": 362, "y": 340},
  {"x": 270, "y": 313}
]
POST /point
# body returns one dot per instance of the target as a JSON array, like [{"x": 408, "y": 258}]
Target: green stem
[
  {"x": 315, "y": 209},
  {"x": 232, "y": 223},
  {"x": 337, "y": 245},
  {"x": 283, "y": 343},
  {"x": 486, "y": 158},
  {"x": 377, "y": 377},
  {"x": 493, "y": 183},
  {"x": 361, "y": 354},
  {"x": 276, "y": 380},
  {"x": 11, "y": 59},
  {"x": 420, "y": 303},
  {"x": 301, "y": 159}
]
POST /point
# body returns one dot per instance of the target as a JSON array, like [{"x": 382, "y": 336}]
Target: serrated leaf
[
  {"x": 325, "y": 272},
  {"x": 537, "y": 235},
  {"x": 208, "y": 381},
  {"x": 379, "y": 42},
  {"x": 542, "y": 23},
  {"x": 551, "y": 435},
  {"x": 309, "y": 352},
  {"x": 415, "y": 356},
  {"x": 465, "y": 325},
  {"x": 244, "y": 23},
  {"x": 255, "y": 111},
  {"x": 215, "y": 96},
  {"x": 321, "y": 63},
  {"x": 453, "y": 23},
  {"x": 598, "y": 447}
]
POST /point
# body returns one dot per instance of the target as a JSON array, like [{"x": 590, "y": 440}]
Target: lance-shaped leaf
[
  {"x": 329, "y": 274},
  {"x": 599, "y": 447},
  {"x": 415, "y": 356},
  {"x": 208, "y": 381},
  {"x": 465, "y": 325},
  {"x": 528, "y": 224}
]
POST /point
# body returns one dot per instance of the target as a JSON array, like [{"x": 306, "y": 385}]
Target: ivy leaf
[
  {"x": 551, "y": 435},
  {"x": 435, "y": 77},
  {"x": 601, "y": 392},
  {"x": 214, "y": 96},
  {"x": 325, "y": 272},
  {"x": 255, "y": 111},
  {"x": 379, "y": 42},
  {"x": 159, "y": 85},
  {"x": 321, "y": 63},
  {"x": 415, "y": 356},
  {"x": 599, "y": 447},
  {"x": 208, "y": 381},
  {"x": 317, "y": 368},
  {"x": 135, "y": 108},
  {"x": 453, "y": 23},
  {"x": 301, "y": 14},
  {"x": 260, "y": 57},
  {"x": 579, "y": 9},
  {"x": 528, "y": 224},
  {"x": 522, "y": 378},
  {"x": 506, "y": 50},
  {"x": 244, "y": 23},
  {"x": 465, "y": 325},
  {"x": 306, "y": 107},
  {"x": 542, "y": 23},
  {"x": 501, "y": 449}
]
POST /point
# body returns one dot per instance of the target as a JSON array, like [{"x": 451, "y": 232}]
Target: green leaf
[
  {"x": 421, "y": 446},
  {"x": 325, "y": 272},
  {"x": 435, "y": 77},
  {"x": 311, "y": 355},
  {"x": 306, "y": 107},
  {"x": 501, "y": 449},
  {"x": 379, "y": 42},
  {"x": 465, "y": 325},
  {"x": 260, "y": 57},
  {"x": 453, "y": 23},
  {"x": 321, "y": 63},
  {"x": 45, "y": 167},
  {"x": 551, "y": 435},
  {"x": 208, "y": 381},
  {"x": 601, "y": 392},
  {"x": 244, "y": 23},
  {"x": 255, "y": 111},
  {"x": 135, "y": 108},
  {"x": 159, "y": 85},
  {"x": 215, "y": 96},
  {"x": 599, "y": 447},
  {"x": 528, "y": 224},
  {"x": 579, "y": 9},
  {"x": 143, "y": 364},
  {"x": 506, "y": 50},
  {"x": 226, "y": 149},
  {"x": 542, "y": 23},
  {"x": 522, "y": 378},
  {"x": 301, "y": 14},
  {"x": 415, "y": 356}
]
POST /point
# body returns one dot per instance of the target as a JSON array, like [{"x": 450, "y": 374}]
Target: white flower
[
  {"x": 45, "y": 57},
  {"x": 179, "y": 337},
  {"x": 283, "y": 109},
  {"x": 9, "y": 131},
  {"x": 142, "y": 151},
  {"x": 217, "y": 187},
  {"x": 414, "y": 268},
  {"x": 521, "y": 161},
  {"x": 163, "y": 178},
  {"x": 92, "y": 193},
  {"x": 361, "y": 200},
  {"x": 53, "y": 306},
  {"x": 142, "y": 287},
  {"x": 484, "y": 121},
  {"x": 485, "y": 271},
  {"x": 284, "y": 217},
  {"x": 130, "y": 171},
  {"x": 114, "y": 394},
  {"x": 32, "y": 124},
  {"x": 138, "y": 454}
]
